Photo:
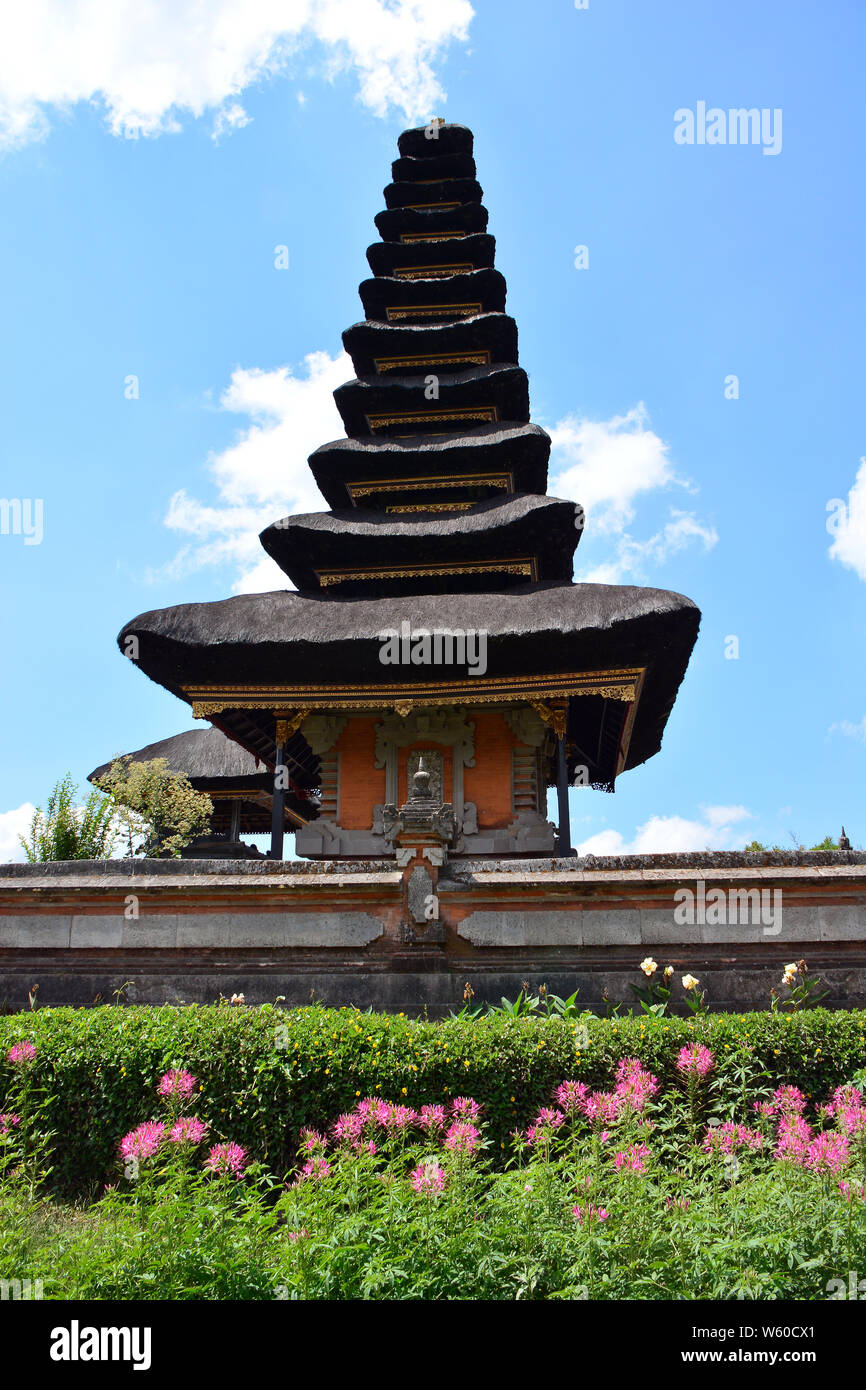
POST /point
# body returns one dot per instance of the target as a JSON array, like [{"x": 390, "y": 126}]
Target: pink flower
[
  {"x": 227, "y": 1158},
  {"x": 465, "y": 1108},
  {"x": 302, "y": 1234},
  {"x": 843, "y": 1098},
  {"x": 765, "y": 1108},
  {"x": 828, "y": 1153},
  {"x": 365, "y": 1146},
  {"x": 680, "y": 1203},
  {"x": 590, "y": 1213},
  {"x": 312, "y": 1141},
  {"x": 21, "y": 1052},
  {"x": 634, "y": 1085},
  {"x": 851, "y": 1190},
  {"x": 695, "y": 1060},
  {"x": 604, "y": 1136},
  {"x": 603, "y": 1106},
  {"x": 793, "y": 1139},
  {"x": 396, "y": 1118},
  {"x": 429, "y": 1179},
  {"x": 316, "y": 1168},
  {"x": 176, "y": 1083},
  {"x": 348, "y": 1127},
  {"x": 8, "y": 1121},
  {"x": 462, "y": 1137},
  {"x": 144, "y": 1141},
  {"x": 570, "y": 1095},
  {"x": 188, "y": 1130},
  {"x": 789, "y": 1100},
  {"x": 431, "y": 1118},
  {"x": 729, "y": 1137},
  {"x": 634, "y": 1158}
]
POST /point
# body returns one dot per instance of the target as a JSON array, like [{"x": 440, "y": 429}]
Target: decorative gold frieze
[
  {"x": 477, "y": 358},
  {"x": 551, "y": 686},
  {"x": 432, "y": 507},
  {"x": 486, "y": 414},
  {"x": 523, "y": 567},
  {"x": 410, "y": 238},
  {"x": 395, "y": 313},
  {"x": 432, "y": 272},
  {"x": 376, "y": 485}
]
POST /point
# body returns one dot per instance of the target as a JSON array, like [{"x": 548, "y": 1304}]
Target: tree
[
  {"x": 156, "y": 811},
  {"x": 66, "y": 831}
]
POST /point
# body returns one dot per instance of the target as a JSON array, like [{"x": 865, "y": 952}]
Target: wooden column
[
  {"x": 278, "y": 810},
  {"x": 235, "y": 828},
  {"x": 562, "y": 797}
]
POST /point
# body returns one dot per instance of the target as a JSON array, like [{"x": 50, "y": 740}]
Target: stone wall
[{"x": 341, "y": 931}]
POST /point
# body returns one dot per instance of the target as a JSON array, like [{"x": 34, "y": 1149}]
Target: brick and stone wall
[{"x": 170, "y": 930}]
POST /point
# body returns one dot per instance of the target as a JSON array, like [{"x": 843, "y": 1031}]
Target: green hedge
[{"x": 265, "y": 1072}]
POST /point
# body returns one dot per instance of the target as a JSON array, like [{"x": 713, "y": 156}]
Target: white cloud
[
  {"x": 265, "y": 474},
  {"x": 607, "y": 466},
  {"x": 849, "y": 729},
  {"x": 13, "y": 824},
  {"x": 674, "y": 834},
  {"x": 849, "y": 527},
  {"x": 147, "y": 64}
]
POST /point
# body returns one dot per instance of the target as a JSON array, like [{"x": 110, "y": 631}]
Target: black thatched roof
[
  {"x": 390, "y": 257},
  {"x": 200, "y": 755},
  {"x": 540, "y": 629},
  {"x": 401, "y": 404},
  {"x": 383, "y": 296},
  {"x": 421, "y": 142},
  {"x": 218, "y": 765},
  {"x": 409, "y": 194},
  {"x": 526, "y": 527},
  {"x": 409, "y": 168},
  {"x": 518, "y": 452},
  {"x": 370, "y": 343},
  {"x": 394, "y": 223}
]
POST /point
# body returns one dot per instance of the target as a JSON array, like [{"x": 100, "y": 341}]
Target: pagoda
[{"x": 435, "y": 668}]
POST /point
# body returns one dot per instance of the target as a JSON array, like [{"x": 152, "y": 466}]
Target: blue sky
[{"x": 148, "y": 170}]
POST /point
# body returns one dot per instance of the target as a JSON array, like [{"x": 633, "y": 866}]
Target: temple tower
[{"x": 435, "y": 669}]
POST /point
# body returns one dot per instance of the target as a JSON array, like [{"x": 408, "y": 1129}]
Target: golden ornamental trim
[
  {"x": 425, "y": 207},
  {"x": 431, "y": 507},
  {"x": 489, "y": 414},
  {"x": 397, "y": 312},
  {"x": 429, "y": 483},
  {"x": 329, "y": 578},
  {"x": 410, "y": 238},
  {"x": 621, "y": 685},
  {"x": 479, "y": 358},
  {"x": 432, "y": 272}
]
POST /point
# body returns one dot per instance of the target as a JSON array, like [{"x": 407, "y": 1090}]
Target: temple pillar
[{"x": 278, "y": 809}]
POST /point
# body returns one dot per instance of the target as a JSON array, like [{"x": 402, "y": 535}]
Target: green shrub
[{"x": 266, "y": 1073}]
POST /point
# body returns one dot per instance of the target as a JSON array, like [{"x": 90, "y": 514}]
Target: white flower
[
  {"x": 689, "y": 982},
  {"x": 237, "y": 999},
  {"x": 669, "y": 970},
  {"x": 790, "y": 974},
  {"x": 648, "y": 967}
]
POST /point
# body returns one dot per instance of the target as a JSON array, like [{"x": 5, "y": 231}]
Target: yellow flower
[{"x": 402, "y": 1090}]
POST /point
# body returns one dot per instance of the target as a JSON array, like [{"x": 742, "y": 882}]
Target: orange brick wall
[
  {"x": 362, "y": 784},
  {"x": 488, "y": 783}
]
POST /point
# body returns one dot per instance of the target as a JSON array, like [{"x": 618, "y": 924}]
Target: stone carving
[
  {"x": 448, "y": 727},
  {"x": 321, "y": 731},
  {"x": 420, "y": 895},
  {"x": 526, "y": 725},
  {"x": 433, "y": 762}
]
